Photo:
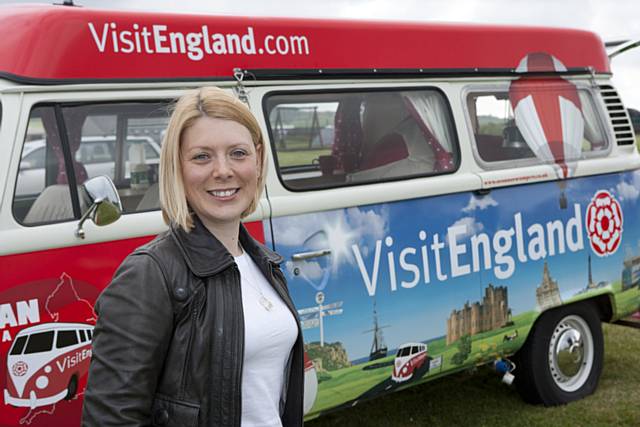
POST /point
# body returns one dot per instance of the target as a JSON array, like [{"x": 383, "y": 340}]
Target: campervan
[
  {"x": 45, "y": 363},
  {"x": 409, "y": 358},
  {"x": 446, "y": 184}
]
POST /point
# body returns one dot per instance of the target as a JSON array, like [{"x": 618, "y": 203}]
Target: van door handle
[
  {"x": 482, "y": 192},
  {"x": 308, "y": 255}
]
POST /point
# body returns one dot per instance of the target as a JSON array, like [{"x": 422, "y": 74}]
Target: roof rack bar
[{"x": 323, "y": 73}]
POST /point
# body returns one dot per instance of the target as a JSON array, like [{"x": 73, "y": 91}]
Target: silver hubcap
[{"x": 571, "y": 353}]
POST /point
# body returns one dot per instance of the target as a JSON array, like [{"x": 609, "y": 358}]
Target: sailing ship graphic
[{"x": 378, "y": 347}]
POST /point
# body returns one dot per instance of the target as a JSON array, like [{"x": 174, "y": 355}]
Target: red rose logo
[
  {"x": 19, "y": 369},
  {"x": 604, "y": 223}
]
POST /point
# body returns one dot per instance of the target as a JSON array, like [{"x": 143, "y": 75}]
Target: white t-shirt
[{"x": 269, "y": 336}]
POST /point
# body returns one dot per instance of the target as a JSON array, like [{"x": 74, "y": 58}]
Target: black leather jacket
[{"x": 169, "y": 342}]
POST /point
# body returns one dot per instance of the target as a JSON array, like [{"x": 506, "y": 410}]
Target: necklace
[{"x": 263, "y": 300}]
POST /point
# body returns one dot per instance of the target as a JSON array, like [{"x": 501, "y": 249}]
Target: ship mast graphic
[{"x": 378, "y": 347}]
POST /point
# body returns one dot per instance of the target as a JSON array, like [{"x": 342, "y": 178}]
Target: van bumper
[
  {"x": 33, "y": 401},
  {"x": 401, "y": 379}
]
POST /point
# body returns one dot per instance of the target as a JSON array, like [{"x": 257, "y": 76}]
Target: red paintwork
[
  {"x": 65, "y": 282},
  {"x": 54, "y": 42}
]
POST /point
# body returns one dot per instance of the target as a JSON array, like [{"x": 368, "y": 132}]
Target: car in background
[{"x": 96, "y": 153}]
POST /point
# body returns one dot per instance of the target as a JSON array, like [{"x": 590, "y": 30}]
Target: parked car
[{"x": 97, "y": 154}]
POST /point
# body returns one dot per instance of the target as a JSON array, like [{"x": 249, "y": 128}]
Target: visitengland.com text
[{"x": 159, "y": 39}]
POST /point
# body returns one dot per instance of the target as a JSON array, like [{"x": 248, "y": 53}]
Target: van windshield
[
  {"x": 18, "y": 345},
  {"x": 39, "y": 342},
  {"x": 404, "y": 352}
]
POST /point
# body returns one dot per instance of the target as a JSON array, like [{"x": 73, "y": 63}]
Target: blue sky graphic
[{"x": 421, "y": 313}]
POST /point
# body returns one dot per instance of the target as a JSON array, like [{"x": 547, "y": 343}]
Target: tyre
[
  {"x": 72, "y": 388},
  {"x": 562, "y": 358}
]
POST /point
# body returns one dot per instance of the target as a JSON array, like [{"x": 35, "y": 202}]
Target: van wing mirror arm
[{"x": 83, "y": 218}]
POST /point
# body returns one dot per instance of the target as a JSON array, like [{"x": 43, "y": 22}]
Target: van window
[
  {"x": 39, "y": 342},
  {"x": 325, "y": 140},
  {"x": 119, "y": 140},
  {"x": 42, "y": 193},
  {"x": 89, "y": 333},
  {"x": 498, "y": 139},
  {"x": 83, "y": 338},
  {"x": 66, "y": 338},
  {"x": 18, "y": 345}
]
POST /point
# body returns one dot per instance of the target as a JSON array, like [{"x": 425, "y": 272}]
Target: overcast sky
[{"x": 611, "y": 19}]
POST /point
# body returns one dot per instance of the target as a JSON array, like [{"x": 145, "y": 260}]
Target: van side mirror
[{"x": 104, "y": 203}]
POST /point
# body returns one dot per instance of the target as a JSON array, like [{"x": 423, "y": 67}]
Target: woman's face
[{"x": 220, "y": 170}]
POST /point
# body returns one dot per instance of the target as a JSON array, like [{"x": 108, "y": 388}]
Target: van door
[{"x": 369, "y": 188}]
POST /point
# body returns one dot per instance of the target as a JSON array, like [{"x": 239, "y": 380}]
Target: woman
[{"x": 197, "y": 327}]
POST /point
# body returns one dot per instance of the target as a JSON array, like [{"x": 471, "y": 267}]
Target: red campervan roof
[{"x": 58, "y": 43}]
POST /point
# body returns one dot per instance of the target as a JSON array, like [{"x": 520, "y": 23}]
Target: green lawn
[{"x": 481, "y": 400}]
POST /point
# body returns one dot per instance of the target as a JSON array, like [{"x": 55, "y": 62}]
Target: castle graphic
[
  {"x": 548, "y": 293},
  {"x": 472, "y": 319}
]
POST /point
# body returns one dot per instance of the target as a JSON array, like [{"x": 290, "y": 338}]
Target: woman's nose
[{"x": 222, "y": 167}]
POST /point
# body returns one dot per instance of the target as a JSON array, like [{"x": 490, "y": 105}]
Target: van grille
[{"x": 618, "y": 116}]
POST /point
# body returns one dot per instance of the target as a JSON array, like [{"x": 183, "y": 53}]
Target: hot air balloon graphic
[{"x": 548, "y": 114}]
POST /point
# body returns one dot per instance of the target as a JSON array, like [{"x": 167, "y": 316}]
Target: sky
[{"x": 611, "y": 19}]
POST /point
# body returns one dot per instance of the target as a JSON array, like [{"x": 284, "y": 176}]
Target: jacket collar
[{"x": 206, "y": 256}]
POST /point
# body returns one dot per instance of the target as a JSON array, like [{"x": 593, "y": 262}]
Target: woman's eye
[
  {"x": 238, "y": 154},
  {"x": 200, "y": 156}
]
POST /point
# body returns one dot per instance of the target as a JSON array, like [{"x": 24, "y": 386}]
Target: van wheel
[
  {"x": 72, "y": 388},
  {"x": 563, "y": 356}
]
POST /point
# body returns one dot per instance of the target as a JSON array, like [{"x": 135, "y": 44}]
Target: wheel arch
[{"x": 603, "y": 304}]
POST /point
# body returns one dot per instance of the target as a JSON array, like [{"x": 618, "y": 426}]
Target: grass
[{"x": 481, "y": 400}]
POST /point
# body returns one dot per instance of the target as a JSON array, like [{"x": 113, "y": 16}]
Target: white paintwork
[{"x": 472, "y": 174}]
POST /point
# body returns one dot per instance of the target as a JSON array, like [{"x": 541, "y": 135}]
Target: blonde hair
[{"x": 204, "y": 102}]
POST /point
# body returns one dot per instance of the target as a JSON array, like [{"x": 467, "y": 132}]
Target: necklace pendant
[{"x": 268, "y": 305}]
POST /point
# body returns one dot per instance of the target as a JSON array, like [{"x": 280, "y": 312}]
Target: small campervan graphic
[
  {"x": 46, "y": 362},
  {"x": 409, "y": 358}
]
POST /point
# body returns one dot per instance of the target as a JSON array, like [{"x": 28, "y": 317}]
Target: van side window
[
  {"x": 42, "y": 193},
  {"x": 325, "y": 140},
  {"x": 119, "y": 140},
  {"x": 39, "y": 342},
  {"x": 83, "y": 338},
  {"x": 499, "y": 139},
  {"x": 66, "y": 338}
]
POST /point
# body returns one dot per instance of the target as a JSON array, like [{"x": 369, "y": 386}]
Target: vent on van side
[{"x": 618, "y": 116}]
